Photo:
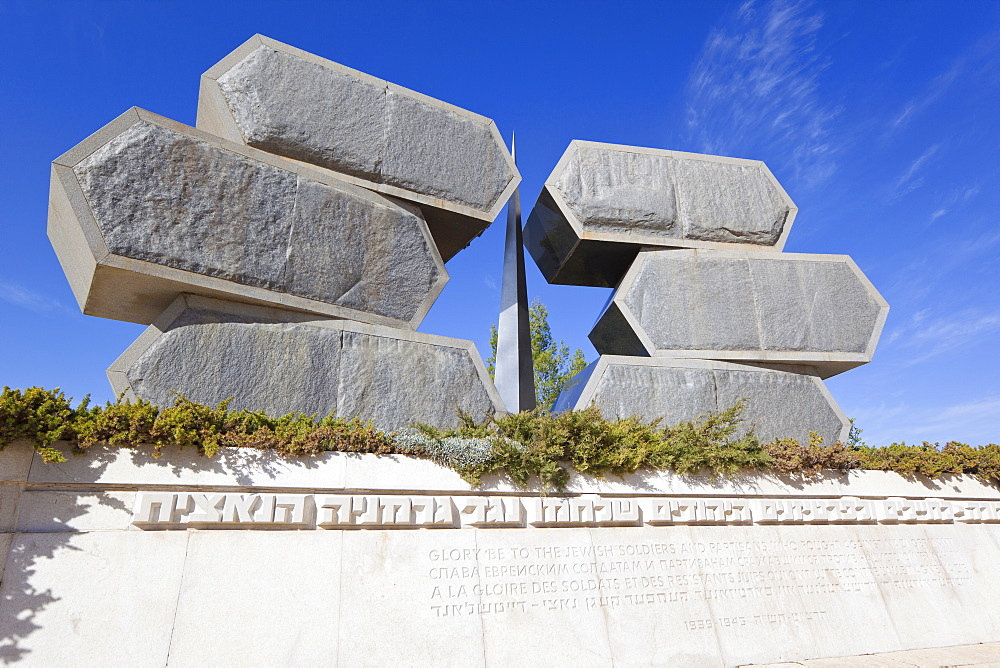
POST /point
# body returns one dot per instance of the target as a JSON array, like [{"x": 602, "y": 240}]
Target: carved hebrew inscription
[{"x": 177, "y": 510}]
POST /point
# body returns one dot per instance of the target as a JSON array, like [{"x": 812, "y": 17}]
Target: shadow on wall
[
  {"x": 45, "y": 510},
  {"x": 20, "y": 601}
]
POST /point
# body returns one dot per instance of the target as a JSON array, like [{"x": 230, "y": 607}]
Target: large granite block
[
  {"x": 603, "y": 202},
  {"x": 791, "y": 308},
  {"x": 147, "y": 208},
  {"x": 781, "y": 404},
  {"x": 281, "y": 362},
  {"x": 450, "y": 162}
]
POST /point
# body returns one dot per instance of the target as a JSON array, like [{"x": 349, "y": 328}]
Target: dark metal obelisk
[{"x": 515, "y": 377}]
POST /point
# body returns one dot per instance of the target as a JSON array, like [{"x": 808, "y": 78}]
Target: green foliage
[
  {"x": 37, "y": 415},
  {"x": 933, "y": 460},
  {"x": 45, "y": 416},
  {"x": 526, "y": 446},
  {"x": 854, "y": 436},
  {"x": 553, "y": 362},
  {"x": 546, "y": 445},
  {"x": 790, "y": 457}
]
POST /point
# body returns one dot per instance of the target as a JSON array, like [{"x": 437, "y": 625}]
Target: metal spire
[{"x": 515, "y": 377}]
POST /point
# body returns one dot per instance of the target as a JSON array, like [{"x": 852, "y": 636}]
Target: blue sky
[{"x": 879, "y": 118}]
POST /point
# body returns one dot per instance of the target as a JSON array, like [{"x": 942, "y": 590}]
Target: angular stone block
[
  {"x": 795, "y": 308},
  {"x": 147, "y": 208},
  {"x": 603, "y": 202},
  {"x": 450, "y": 162},
  {"x": 280, "y": 362},
  {"x": 781, "y": 404}
]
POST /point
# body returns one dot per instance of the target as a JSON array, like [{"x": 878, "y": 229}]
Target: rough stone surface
[
  {"x": 302, "y": 110},
  {"x": 450, "y": 162},
  {"x": 672, "y": 195},
  {"x": 780, "y": 404},
  {"x": 162, "y": 197},
  {"x": 793, "y": 308},
  {"x": 442, "y": 153},
  {"x": 177, "y": 200},
  {"x": 403, "y": 382},
  {"x": 616, "y": 191},
  {"x": 359, "y": 126},
  {"x": 390, "y": 377},
  {"x": 604, "y": 196}
]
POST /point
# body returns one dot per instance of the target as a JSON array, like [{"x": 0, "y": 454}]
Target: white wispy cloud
[
  {"x": 911, "y": 179},
  {"x": 980, "y": 57},
  {"x": 931, "y": 94},
  {"x": 23, "y": 297},
  {"x": 754, "y": 90},
  {"x": 954, "y": 200},
  {"x": 976, "y": 421},
  {"x": 924, "y": 337},
  {"x": 920, "y": 278},
  {"x": 960, "y": 414}
]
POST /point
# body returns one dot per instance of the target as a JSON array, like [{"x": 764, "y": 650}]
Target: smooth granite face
[
  {"x": 272, "y": 367},
  {"x": 697, "y": 300},
  {"x": 614, "y": 335},
  {"x": 281, "y": 368},
  {"x": 631, "y": 193},
  {"x": 780, "y": 404},
  {"x": 360, "y": 126},
  {"x": 164, "y": 197}
]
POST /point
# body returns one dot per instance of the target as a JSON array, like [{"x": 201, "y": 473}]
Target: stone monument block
[
  {"x": 450, "y": 162},
  {"x": 147, "y": 208},
  {"x": 603, "y": 202},
  {"x": 781, "y": 404},
  {"x": 280, "y": 362},
  {"x": 796, "y": 308}
]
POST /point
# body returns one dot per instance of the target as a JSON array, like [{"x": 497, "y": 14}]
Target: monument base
[{"x": 119, "y": 558}]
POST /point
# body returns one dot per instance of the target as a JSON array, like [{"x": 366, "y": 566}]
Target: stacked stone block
[
  {"x": 284, "y": 251},
  {"x": 707, "y": 310}
]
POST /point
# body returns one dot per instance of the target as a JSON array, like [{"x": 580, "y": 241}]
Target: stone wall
[{"x": 120, "y": 558}]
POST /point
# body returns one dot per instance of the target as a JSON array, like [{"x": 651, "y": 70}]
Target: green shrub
[
  {"x": 791, "y": 457},
  {"x": 523, "y": 446},
  {"x": 546, "y": 445},
  {"x": 40, "y": 416}
]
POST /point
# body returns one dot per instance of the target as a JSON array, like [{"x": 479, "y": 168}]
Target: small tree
[{"x": 553, "y": 363}]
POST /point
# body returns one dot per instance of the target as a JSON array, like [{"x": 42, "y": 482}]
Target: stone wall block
[
  {"x": 781, "y": 404},
  {"x": 788, "y": 308},
  {"x": 147, "y": 209},
  {"x": 450, "y": 162},
  {"x": 603, "y": 202},
  {"x": 281, "y": 362}
]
